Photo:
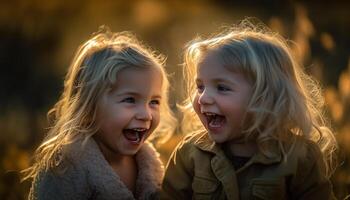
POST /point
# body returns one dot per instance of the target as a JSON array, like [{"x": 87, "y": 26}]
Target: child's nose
[
  {"x": 144, "y": 113},
  {"x": 205, "y": 98}
]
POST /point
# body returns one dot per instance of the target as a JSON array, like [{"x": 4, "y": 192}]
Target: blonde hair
[
  {"x": 93, "y": 71},
  {"x": 285, "y": 101}
]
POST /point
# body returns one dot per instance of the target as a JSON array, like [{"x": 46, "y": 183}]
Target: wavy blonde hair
[
  {"x": 285, "y": 100},
  {"x": 93, "y": 71}
]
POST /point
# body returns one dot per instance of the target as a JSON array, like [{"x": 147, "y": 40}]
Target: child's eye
[
  {"x": 200, "y": 88},
  {"x": 223, "y": 88},
  {"x": 155, "y": 102},
  {"x": 129, "y": 100}
]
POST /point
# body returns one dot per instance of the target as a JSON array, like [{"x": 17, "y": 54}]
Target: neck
[
  {"x": 244, "y": 149},
  {"x": 112, "y": 157},
  {"x": 119, "y": 160}
]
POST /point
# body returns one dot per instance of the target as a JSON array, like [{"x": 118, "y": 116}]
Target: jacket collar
[
  {"x": 150, "y": 171},
  {"x": 107, "y": 183},
  {"x": 206, "y": 144}
]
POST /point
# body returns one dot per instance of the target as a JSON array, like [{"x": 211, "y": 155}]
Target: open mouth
[
  {"x": 135, "y": 135},
  {"x": 214, "y": 120}
]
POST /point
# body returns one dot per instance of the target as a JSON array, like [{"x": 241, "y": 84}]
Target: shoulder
[
  {"x": 72, "y": 165},
  {"x": 59, "y": 182},
  {"x": 306, "y": 150},
  {"x": 66, "y": 163},
  {"x": 309, "y": 179},
  {"x": 308, "y": 157}
]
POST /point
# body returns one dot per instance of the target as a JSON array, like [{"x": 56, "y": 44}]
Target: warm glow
[{"x": 327, "y": 41}]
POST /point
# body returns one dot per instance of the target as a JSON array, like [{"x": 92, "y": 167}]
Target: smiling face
[
  {"x": 129, "y": 113},
  {"x": 222, "y": 99}
]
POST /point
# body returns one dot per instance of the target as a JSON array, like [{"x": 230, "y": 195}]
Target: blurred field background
[{"x": 38, "y": 40}]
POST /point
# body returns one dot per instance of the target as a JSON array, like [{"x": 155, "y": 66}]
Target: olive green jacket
[{"x": 199, "y": 169}]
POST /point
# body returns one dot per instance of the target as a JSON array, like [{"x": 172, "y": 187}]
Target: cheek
[
  {"x": 156, "y": 117},
  {"x": 196, "y": 105}
]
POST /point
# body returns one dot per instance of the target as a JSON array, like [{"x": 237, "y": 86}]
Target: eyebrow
[
  {"x": 158, "y": 96},
  {"x": 216, "y": 80},
  {"x": 131, "y": 93}
]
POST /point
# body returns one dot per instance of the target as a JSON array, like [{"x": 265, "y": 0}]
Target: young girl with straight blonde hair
[
  {"x": 114, "y": 100},
  {"x": 259, "y": 129}
]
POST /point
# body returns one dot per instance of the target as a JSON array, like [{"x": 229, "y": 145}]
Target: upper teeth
[
  {"x": 210, "y": 114},
  {"x": 139, "y": 129}
]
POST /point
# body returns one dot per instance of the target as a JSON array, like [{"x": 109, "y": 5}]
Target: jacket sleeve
[
  {"x": 310, "y": 181},
  {"x": 177, "y": 183},
  {"x": 50, "y": 185}
]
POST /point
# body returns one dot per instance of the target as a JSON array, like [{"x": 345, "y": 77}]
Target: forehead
[
  {"x": 219, "y": 62},
  {"x": 211, "y": 63},
  {"x": 142, "y": 79}
]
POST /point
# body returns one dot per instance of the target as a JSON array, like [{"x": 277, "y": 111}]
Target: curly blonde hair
[
  {"x": 285, "y": 101},
  {"x": 93, "y": 71}
]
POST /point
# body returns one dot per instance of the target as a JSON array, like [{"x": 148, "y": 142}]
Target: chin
[
  {"x": 216, "y": 138},
  {"x": 129, "y": 153}
]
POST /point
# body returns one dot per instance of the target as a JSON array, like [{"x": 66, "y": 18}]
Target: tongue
[
  {"x": 132, "y": 136},
  {"x": 216, "y": 121}
]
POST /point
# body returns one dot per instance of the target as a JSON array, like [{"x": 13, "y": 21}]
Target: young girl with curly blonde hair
[
  {"x": 114, "y": 101},
  {"x": 261, "y": 133}
]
